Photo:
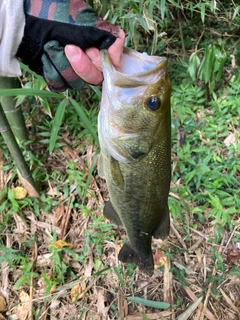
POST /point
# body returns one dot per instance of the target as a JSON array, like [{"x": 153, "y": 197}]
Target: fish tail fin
[
  {"x": 144, "y": 263},
  {"x": 163, "y": 229}
]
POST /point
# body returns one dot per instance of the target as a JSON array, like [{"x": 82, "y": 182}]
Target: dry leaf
[
  {"x": 53, "y": 289},
  {"x": 20, "y": 193},
  {"x": 159, "y": 259},
  {"x": 24, "y": 308},
  {"x": 27, "y": 185},
  {"x": 2, "y": 304},
  {"x": 233, "y": 254},
  {"x": 231, "y": 139},
  {"x": 21, "y": 224},
  {"x": 59, "y": 213},
  {"x": 61, "y": 244},
  {"x": 189, "y": 312},
  {"x": 77, "y": 291},
  {"x": 101, "y": 308},
  {"x": 119, "y": 247}
]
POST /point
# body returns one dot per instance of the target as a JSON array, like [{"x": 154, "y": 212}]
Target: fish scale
[{"x": 135, "y": 159}]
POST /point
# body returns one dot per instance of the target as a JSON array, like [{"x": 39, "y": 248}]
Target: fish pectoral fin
[
  {"x": 100, "y": 166},
  {"x": 144, "y": 263},
  {"x": 110, "y": 213},
  {"x": 162, "y": 230},
  {"x": 116, "y": 173}
]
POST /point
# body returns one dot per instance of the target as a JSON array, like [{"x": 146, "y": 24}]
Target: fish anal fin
[
  {"x": 110, "y": 213},
  {"x": 162, "y": 230},
  {"x": 144, "y": 263}
]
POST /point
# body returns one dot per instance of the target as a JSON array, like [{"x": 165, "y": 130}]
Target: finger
[
  {"x": 116, "y": 49},
  {"x": 82, "y": 65},
  {"x": 94, "y": 55},
  {"x": 115, "y": 52}
]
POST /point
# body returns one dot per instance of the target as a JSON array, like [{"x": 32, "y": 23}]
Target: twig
[
  {"x": 168, "y": 286},
  {"x": 181, "y": 34},
  {"x": 31, "y": 290},
  {"x": 199, "y": 39},
  {"x": 179, "y": 239},
  {"x": 208, "y": 314},
  {"x": 201, "y": 317},
  {"x": 230, "y": 238},
  {"x": 66, "y": 220}
]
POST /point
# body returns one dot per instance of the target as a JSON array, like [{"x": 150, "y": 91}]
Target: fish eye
[{"x": 153, "y": 103}]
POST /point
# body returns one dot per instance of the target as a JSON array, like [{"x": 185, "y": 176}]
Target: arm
[{"x": 12, "y": 21}]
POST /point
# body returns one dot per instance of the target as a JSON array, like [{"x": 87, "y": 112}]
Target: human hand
[
  {"x": 87, "y": 64},
  {"x": 50, "y": 26}
]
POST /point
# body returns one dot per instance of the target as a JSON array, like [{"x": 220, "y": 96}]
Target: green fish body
[{"x": 135, "y": 139}]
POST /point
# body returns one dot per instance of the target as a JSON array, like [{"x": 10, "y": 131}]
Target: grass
[{"x": 80, "y": 277}]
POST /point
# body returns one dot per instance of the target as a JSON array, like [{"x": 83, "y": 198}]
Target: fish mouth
[{"x": 125, "y": 76}]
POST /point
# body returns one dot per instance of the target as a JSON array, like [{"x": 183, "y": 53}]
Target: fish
[{"x": 134, "y": 128}]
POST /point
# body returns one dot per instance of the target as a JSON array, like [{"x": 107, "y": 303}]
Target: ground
[{"x": 82, "y": 278}]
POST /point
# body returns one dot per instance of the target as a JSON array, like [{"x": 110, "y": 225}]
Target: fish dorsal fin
[{"x": 110, "y": 213}]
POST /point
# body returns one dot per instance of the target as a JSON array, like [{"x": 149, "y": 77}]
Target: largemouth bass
[{"x": 135, "y": 139}]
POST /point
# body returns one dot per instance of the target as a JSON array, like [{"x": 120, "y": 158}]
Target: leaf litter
[
  {"x": 94, "y": 284},
  {"x": 93, "y": 290}
]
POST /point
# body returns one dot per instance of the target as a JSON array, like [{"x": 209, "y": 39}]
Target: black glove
[{"x": 50, "y": 26}]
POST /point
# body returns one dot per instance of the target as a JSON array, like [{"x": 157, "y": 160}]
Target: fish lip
[{"x": 123, "y": 78}]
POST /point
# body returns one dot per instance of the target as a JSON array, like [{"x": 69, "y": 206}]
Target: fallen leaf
[
  {"x": 2, "y": 304},
  {"x": 188, "y": 313},
  {"x": 159, "y": 259},
  {"x": 20, "y": 193},
  {"x": 59, "y": 213},
  {"x": 231, "y": 139},
  {"x": 20, "y": 223},
  {"x": 24, "y": 307},
  {"x": 233, "y": 254},
  {"x": 77, "y": 291},
  {"x": 28, "y": 186},
  {"x": 101, "y": 308},
  {"x": 61, "y": 244},
  {"x": 119, "y": 247},
  {"x": 53, "y": 289}
]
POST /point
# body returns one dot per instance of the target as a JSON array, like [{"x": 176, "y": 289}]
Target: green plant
[{"x": 210, "y": 69}]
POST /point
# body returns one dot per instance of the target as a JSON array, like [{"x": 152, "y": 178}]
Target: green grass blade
[
  {"x": 120, "y": 278},
  {"x": 97, "y": 91},
  {"x": 150, "y": 303},
  {"x": 83, "y": 116},
  {"x": 57, "y": 121},
  {"x": 30, "y": 92}
]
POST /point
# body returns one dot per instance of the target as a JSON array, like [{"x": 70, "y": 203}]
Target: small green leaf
[
  {"x": 121, "y": 6},
  {"x": 150, "y": 303},
  {"x": 235, "y": 12},
  {"x": 85, "y": 120},
  {"x": 30, "y": 92},
  {"x": 97, "y": 91},
  {"x": 120, "y": 278},
  {"x": 193, "y": 65},
  {"x": 206, "y": 68},
  {"x": 57, "y": 121},
  {"x": 203, "y": 12},
  {"x": 163, "y": 8}
]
